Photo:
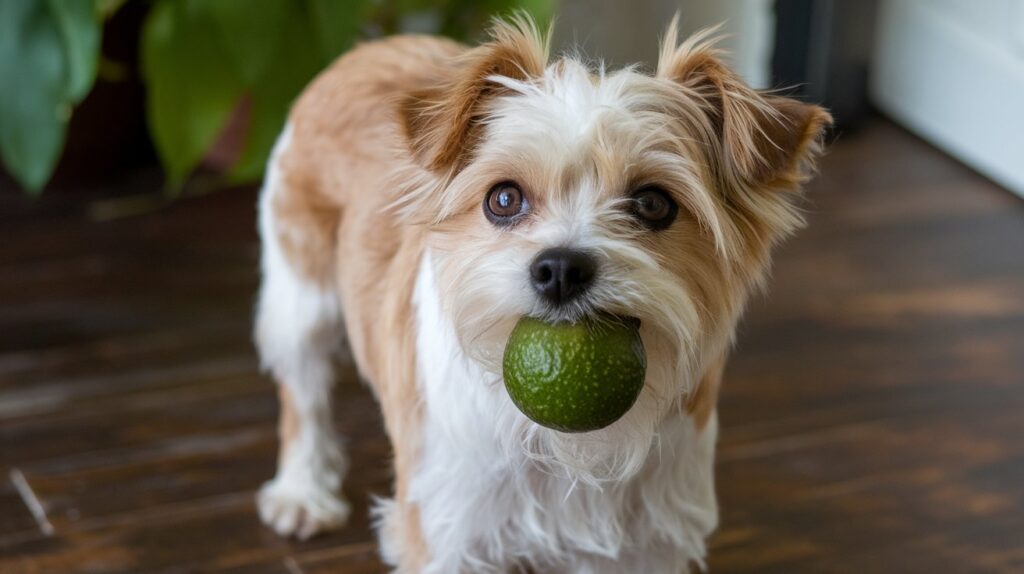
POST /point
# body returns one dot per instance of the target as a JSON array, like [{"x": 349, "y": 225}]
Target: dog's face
[{"x": 567, "y": 193}]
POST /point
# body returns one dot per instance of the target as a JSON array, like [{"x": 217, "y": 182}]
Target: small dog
[{"x": 406, "y": 202}]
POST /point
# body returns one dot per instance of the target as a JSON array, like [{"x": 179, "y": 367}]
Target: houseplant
[{"x": 203, "y": 62}]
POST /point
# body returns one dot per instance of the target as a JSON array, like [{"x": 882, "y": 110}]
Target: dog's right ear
[{"x": 442, "y": 120}]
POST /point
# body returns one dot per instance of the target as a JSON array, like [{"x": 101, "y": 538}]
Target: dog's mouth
[
  {"x": 612, "y": 319},
  {"x": 583, "y": 313},
  {"x": 633, "y": 322}
]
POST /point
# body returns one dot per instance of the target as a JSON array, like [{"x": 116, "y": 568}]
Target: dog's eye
[
  {"x": 654, "y": 208},
  {"x": 504, "y": 203}
]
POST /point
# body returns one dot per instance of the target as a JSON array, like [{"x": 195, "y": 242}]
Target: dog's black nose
[{"x": 559, "y": 274}]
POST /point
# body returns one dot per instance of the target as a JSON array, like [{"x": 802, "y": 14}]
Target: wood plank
[
  {"x": 15, "y": 517},
  {"x": 353, "y": 559},
  {"x": 223, "y": 533}
]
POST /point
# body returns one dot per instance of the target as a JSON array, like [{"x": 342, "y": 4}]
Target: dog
[{"x": 414, "y": 187}]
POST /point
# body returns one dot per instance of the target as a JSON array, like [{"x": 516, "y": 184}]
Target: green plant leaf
[
  {"x": 107, "y": 8},
  {"x": 467, "y": 19},
  {"x": 543, "y": 11},
  {"x": 79, "y": 29},
  {"x": 192, "y": 87},
  {"x": 337, "y": 23},
  {"x": 250, "y": 35},
  {"x": 285, "y": 74},
  {"x": 45, "y": 53}
]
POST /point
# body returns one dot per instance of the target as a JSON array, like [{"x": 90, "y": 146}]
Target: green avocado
[{"x": 575, "y": 377}]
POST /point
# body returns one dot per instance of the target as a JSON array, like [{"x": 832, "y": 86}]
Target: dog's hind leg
[{"x": 298, "y": 332}]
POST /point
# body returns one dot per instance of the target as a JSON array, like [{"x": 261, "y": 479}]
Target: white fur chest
[{"x": 487, "y": 503}]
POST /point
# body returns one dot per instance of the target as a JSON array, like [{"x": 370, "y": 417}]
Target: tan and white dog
[{"x": 425, "y": 196}]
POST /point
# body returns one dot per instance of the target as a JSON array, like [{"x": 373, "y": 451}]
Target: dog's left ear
[
  {"x": 442, "y": 120},
  {"x": 765, "y": 140}
]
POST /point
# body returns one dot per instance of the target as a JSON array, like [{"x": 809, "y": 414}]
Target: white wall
[
  {"x": 624, "y": 32},
  {"x": 953, "y": 72}
]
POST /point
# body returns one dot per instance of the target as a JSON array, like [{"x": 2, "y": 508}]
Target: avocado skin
[{"x": 574, "y": 377}]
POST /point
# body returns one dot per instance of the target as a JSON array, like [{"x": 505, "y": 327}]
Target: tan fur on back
[{"x": 337, "y": 171}]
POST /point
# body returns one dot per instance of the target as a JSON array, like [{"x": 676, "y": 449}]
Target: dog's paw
[{"x": 300, "y": 510}]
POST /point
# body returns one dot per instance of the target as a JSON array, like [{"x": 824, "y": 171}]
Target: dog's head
[{"x": 562, "y": 191}]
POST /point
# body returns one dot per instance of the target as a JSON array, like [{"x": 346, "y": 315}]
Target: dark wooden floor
[{"x": 873, "y": 416}]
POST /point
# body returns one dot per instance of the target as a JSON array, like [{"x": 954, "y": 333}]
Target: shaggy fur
[{"x": 375, "y": 196}]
